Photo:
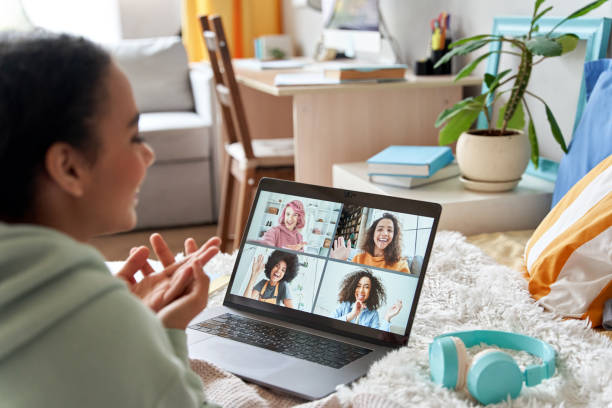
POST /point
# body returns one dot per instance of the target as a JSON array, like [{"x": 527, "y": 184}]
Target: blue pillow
[{"x": 592, "y": 141}]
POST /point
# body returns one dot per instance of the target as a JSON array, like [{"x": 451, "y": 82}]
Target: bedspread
[{"x": 464, "y": 289}]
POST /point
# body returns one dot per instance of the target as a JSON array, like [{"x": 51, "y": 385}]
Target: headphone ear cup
[
  {"x": 493, "y": 376},
  {"x": 448, "y": 362}
]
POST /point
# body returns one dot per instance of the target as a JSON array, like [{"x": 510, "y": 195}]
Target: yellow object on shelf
[{"x": 435, "y": 40}]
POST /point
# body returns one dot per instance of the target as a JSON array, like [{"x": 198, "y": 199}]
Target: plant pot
[{"x": 492, "y": 163}]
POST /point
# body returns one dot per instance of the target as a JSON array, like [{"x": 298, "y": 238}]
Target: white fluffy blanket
[{"x": 464, "y": 289}]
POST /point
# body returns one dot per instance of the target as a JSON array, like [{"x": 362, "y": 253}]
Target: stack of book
[
  {"x": 412, "y": 166},
  {"x": 352, "y": 72}
]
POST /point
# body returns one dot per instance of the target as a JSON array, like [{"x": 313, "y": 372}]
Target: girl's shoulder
[
  {"x": 401, "y": 266},
  {"x": 360, "y": 257}
]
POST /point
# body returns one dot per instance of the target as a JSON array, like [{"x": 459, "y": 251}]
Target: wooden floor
[{"x": 117, "y": 247}]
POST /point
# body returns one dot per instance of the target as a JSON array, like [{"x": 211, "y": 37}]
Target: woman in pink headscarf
[{"x": 286, "y": 234}]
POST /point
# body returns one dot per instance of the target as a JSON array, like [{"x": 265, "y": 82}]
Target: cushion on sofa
[
  {"x": 181, "y": 195},
  {"x": 176, "y": 135},
  {"x": 568, "y": 259},
  {"x": 592, "y": 140},
  {"x": 158, "y": 71}
]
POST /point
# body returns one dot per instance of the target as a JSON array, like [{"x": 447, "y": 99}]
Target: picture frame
[{"x": 596, "y": 32}]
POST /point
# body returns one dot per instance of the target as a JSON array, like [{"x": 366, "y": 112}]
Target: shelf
[{"x": 518, "y": 209}]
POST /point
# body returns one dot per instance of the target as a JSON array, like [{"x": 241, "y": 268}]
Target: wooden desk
[{"x": 345, "y": 122}]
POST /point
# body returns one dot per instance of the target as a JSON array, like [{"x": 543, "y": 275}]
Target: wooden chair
[{"x": 246, "y": 161}]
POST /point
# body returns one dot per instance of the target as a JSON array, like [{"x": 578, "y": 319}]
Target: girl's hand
[
  {"x": 183, "y": 303},
  {"x": 258, "y": 267},
  {"x": 296, "y": 247},
  {"x": 340, "y": 250},
  {"x": 393, "y": 311},
  {"x": 153, "y": 287},
  {"x": 357, "y": 309}
]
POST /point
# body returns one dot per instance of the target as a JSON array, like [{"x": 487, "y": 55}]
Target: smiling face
[
  {"x": 278, "y": 272},
  {"x": 119, "y": 170},
  {"x": 383, "y": 234},
  {"x": 291, "y": 218},
  {"x": 362, "y": 291}
]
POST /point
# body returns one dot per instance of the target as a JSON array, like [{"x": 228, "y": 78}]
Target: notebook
[
  {"x": 326, "y": 282},
  {"x": 416, "y": 161}
]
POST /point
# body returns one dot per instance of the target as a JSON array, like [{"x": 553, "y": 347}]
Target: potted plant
[{"x": 494, "y": 158}]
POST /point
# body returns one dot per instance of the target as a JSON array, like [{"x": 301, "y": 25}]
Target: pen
[{"x": 442, "y": 22}]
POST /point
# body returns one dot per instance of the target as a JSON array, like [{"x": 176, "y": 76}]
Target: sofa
[{"x": 176, "y": 120}]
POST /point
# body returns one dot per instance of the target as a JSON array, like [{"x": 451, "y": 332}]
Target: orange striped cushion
[{"x": 568, "y": 259}]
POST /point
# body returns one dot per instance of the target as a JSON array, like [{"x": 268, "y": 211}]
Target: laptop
[{"x": 326, "y": 282}]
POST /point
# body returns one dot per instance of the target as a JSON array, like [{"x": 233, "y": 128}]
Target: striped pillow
[{"x": 568, "y": 259}]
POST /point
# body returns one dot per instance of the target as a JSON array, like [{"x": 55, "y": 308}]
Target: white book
[{"x": 449, "y": 171}]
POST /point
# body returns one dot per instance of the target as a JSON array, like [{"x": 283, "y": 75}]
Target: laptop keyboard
[{"x": 306, "y": 346}]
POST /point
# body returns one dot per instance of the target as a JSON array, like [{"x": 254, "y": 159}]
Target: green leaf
[
  {"x": 462, "y": 50},
  {"x": 492, "y": 81},
  {"x": 544, "y": 46},
  {"x": 533, "y": 141},
  {"x": 457, "y": 125},
  {"x": 586, "y": 9},
  {"x": 568, "y": 42},
  {"x": 446, "y": 114},
  {"x": 467, "y": 70},
  {"x": 469, "y": 39},
  {"x": 539, "y": 16},
  {"x": 538, "y": 3},
  {"x": 471, "y": 103},
  {"x": 554, "y": 127},
  {"x": 517, "y": 121},
  {"x": 580, "y": 12}
]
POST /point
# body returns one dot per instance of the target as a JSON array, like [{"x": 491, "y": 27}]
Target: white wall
[
  {"x": 95, "y": 19},
  {"x": 107, "y": 20},
  {"x": 408, "y": 21},
  {"x": 150, "y": 18}
]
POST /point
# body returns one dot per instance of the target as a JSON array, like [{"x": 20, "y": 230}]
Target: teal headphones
[{"x": 491, "y": 375}]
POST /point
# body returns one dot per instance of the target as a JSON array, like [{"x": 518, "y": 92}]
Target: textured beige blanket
[{"x": 505, "y": 247}]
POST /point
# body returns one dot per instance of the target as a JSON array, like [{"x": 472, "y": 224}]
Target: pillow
[
  {"x": 592, "y": 141},
  {"x": 568, "y": 259},
  {"x": 158, "y": 72}
]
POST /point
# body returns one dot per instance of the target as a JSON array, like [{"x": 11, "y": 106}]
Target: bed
[{"x": 471, "y": 283}]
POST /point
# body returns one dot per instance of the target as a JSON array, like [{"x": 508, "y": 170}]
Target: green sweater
[{"x": 72, "y": 335}]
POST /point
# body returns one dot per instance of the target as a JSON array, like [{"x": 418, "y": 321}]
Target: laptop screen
[{"x": 346, "y": 261}]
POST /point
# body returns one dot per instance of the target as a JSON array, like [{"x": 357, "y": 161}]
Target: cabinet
[
  {"x": 272, "y": 211},
  {"x": 350, "y": 224},
  {"x": 321, "y": 218}
]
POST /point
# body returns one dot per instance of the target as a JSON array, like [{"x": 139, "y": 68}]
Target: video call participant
[
  {"x": 361, "y": 294},
  {"x": 280, "y": 269},
  {"x": 286, "y": 234},
  {"x": 381, "y": 247}
]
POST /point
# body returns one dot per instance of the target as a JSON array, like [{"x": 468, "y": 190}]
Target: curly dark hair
[
  {"x": 393, "y": 251},
  {"x": 290, "y": 259},
  {"x": 348, "y": 286},
  {"x": 51, "y": 87}
]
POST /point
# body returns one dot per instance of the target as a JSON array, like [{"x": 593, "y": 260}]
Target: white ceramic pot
[{"x": 493, "y": 159}]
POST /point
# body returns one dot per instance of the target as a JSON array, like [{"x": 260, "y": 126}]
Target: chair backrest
[{"x": 226, "y": 87}]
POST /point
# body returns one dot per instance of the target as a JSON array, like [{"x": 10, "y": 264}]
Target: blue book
[{"x": 415, "y": 161}]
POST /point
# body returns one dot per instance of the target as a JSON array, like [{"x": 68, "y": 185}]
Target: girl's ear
[{"x": 67, "y": 168}]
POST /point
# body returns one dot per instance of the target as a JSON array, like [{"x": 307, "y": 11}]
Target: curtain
[{"x": 243, "y": 21}]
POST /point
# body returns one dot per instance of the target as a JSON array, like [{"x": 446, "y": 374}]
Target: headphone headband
[{"x": 533, "y": 374}]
